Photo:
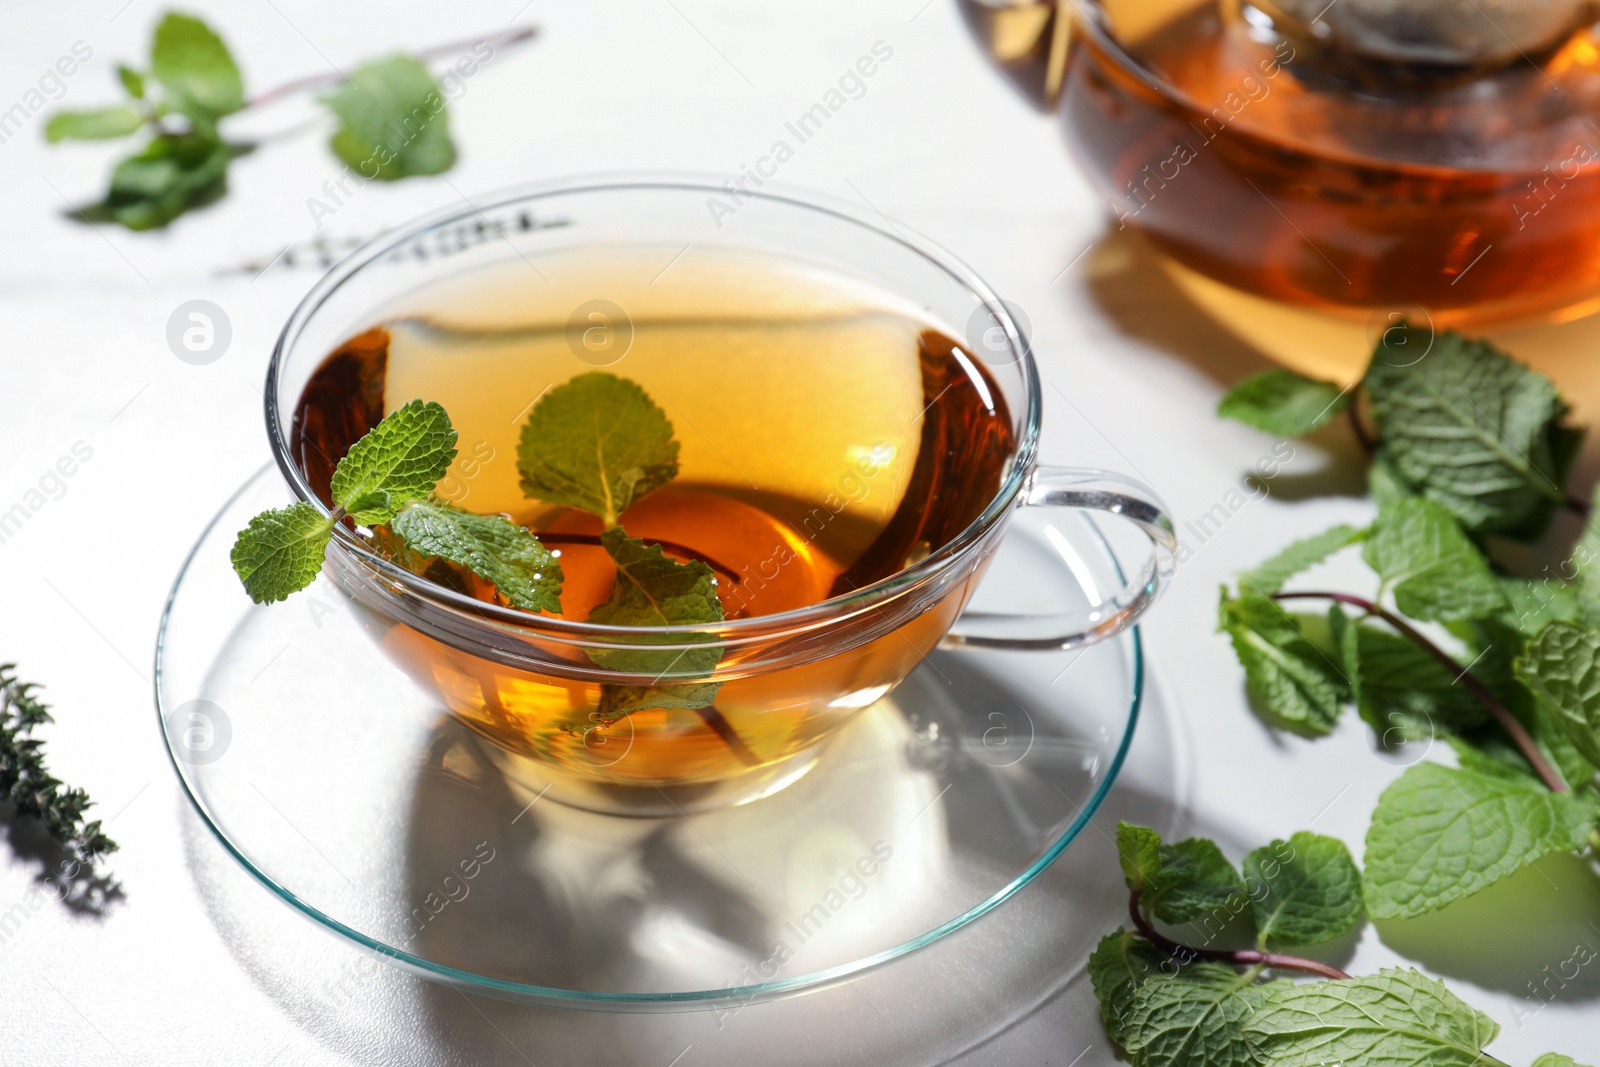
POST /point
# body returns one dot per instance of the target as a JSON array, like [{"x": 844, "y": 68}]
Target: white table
[{"x": 194, "y": 968}]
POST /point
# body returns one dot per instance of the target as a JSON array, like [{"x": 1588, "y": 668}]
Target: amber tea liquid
[{"x": 828, "y": 438}]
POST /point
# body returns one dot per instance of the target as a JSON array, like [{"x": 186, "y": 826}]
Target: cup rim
[{"x": 885, "y": 589}]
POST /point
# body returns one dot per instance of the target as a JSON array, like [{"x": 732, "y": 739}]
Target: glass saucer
[{"x": 338, "y": 785}]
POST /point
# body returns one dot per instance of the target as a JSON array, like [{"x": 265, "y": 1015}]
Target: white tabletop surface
[{"x": 191, "y": 968}]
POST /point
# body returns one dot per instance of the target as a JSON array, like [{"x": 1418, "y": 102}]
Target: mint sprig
[
  {"x": 1166, "y": 1003},
  {"x": 393, "y": 124},
  {"x": 1457, "y": 421},
  {"x": 388, "y": 478},
  {"x": 598, "y": 443}
]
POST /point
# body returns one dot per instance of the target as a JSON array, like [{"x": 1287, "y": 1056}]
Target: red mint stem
[
  {"x": 1508, "y": 722},
  {"x": 1240, "y": 958}
]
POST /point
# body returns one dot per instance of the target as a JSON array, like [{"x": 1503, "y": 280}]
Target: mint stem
[
  {"x": 1508, "y": 722},
  {"x": 1240, "y": 958},
  {"x": 1368, "y": 445},
  {"x": 315, "y": 81}
]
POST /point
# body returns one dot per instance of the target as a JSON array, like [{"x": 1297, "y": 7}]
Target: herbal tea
[{"x": 826, "y": 438}]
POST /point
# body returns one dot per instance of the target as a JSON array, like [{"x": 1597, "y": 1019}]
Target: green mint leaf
[
  {"x": 1440, "y": 834},
  {"x": 195, "y": 66},
  {"x": 1121, "y": 963},
  {"x": 1179, "y": 882},
  {"x": 1309, "y": 890},
  {"x": 1196, "y": 880},
  {"x": 1395, "y": 1017},
  {"x": 396, "y": 462},
  {"x": 1553, "y": 1059},
  {"x": 1139, "y": 850},
  {"x": 1561, "y": 667},
  {"x": 168, "y": 177},
  {"x": 1294, "y": 684},
  {"x": 495, "y": 549},
  {"x": 1583, "y": 568},
  {"x": 1384, "y": 485},
  {"x": 280, "y": 552},
  {"x": 1404, "y": 693},
  {"x": 1268, "y": 578},
  {"x": 1436, "y": 572},
  {"x": 653, "y": 589},
  {"x": 597, "y": 442},
  {"x": 1469, "y": 428},
  {"x": 1197, "y": 1016},
  {"x": 101, "y": 124},
  {"x": 131, "y": 80},
  {"x": 394, "y": 123},
  {"x": 1284, "y": 403},
  {"x": 1533, "y": 605}
]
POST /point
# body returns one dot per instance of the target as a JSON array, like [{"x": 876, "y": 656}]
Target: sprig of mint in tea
[
  {"x": 1468, "y": 450},
  {"x": 597, "y": 443},
  {"x": 1166, "y": 1003},
  {"x": 393, "y": 123}
]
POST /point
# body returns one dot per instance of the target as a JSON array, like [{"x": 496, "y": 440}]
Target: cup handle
[{"x": 1086, "y": 490}]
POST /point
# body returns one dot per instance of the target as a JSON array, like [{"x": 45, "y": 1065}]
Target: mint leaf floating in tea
[
  {"x": 597, "y": 443},
  {"x": 1392, "y": 1017},
  {"x": 399, "y": 460},
  {"x": 393, "y": 121},
  {"x": 1284, "y": 403},
  {"x": 388, "y": 477},
  {"x": 500, "y": 552},
  {"x": 652, "y": 589},
  {"x": 1441, "y": 833}
]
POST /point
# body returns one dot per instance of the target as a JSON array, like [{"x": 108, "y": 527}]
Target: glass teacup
[{"x": 787, "y": 680}]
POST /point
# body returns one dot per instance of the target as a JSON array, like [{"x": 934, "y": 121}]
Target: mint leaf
[
  {"x": 653, "y": 589},
  {"x": 1195, "y": 880},
  {"x": 1120, "y": 964},
  {"x": 1197, "y": 1016},
  {"x": 597, "y": 442},
  {"x": 1440, "y": 834},
  {"x": 495, "y": 549},
  {"x": 1268, "y": 578},
  {"x": 1178, "y": 882},
  {"x": 192, "y": 62},
  {"x": 131, "y": 80},
  {"x": 1561, "y": 667},
  {"x": 1552, "y": 1059},
  {"x": 1533, "y": 605},
  {"x": 1436, "y": 573},
  {"x": 1395, "y": 1017},
  {"x": 1139, "y": 851},
  {"x": 1469, "y": 428},
  {"x": 280, "y": 552},
  {"x": 1404, "y": 692},
  {"x": 168, "y": 177},
  {"x": 100, "y": 124},
  {"x": 394, "y": 123},
  {"x": 1294, "y": 683},
  {"x": 1284, "y": 403},
  {"x": 399, "y": 460},
  {"x": 1310, "y": 890},
  {"x": 1583, "y": 568}
]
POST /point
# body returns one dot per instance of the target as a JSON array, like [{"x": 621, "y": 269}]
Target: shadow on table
[{"x": 928, "y": 1008}]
